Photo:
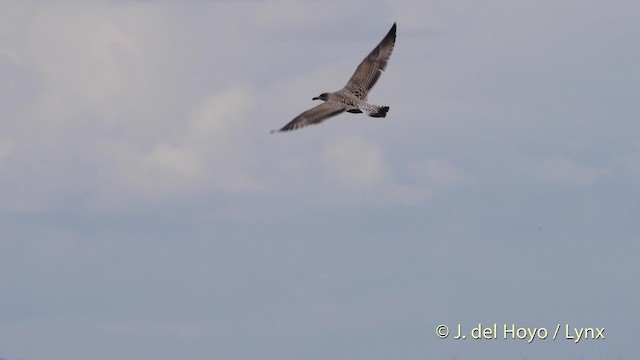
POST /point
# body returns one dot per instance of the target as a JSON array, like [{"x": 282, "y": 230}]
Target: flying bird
[{"x": 352, "y": 97}]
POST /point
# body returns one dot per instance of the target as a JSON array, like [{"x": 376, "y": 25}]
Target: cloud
[
  {"x": 6, "y": 148},
  {"x": 356, "y": 172},
  {"x": 9, "y": 54},
  {"x": 168, "y": 170},
  {"x": 138, "y": 157},
  {"x": 563, "y": 171},
  {"x": 92, "y": 57},
  {"x": 359, "y": 166},
  {"x": 211, "y": 153},
  {"x": 220, "y": 131},
  {"x": 355, "y": 163},
  {"x": 183, "y": 162},
  {"x": 113, "y": 120},
  {"x": 437, "y": 172},
  {"x": 627, "y": 166},
  {"x": 126, "y": 105}
]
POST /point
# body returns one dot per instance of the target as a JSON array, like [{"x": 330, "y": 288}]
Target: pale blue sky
[{"x": 147, "y": 213}]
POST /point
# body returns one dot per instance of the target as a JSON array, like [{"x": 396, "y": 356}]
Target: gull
[{"x": 352, "y": 97}]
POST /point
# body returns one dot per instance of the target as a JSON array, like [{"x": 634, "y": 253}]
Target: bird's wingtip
[{"x": 393, "y": 29}]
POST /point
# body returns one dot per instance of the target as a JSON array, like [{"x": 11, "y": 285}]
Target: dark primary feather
[
  {"x": 369, "y": 70},
  {"x": 315, "y": 115}
]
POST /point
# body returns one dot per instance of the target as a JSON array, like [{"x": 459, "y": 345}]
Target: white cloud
[
  {"x": 220, "y": 131},
  {"x": 10, "y": 54},
  {"x": 437, "y": 172},
  {"x": 211, "y": 153},
  {"x": 93, "y": 56},
  {"x": 114, "y": 117},
  {"x": 180, "y": 161},
  {"x": 355, "y": 163},
  {"x": 279, "y": 13},
  {"x": 626, "y": 166},
  {"x": 159, "y": 115},
  {"x": 221, "y": 115},
  {"x": 171, "y": 165},
  {"x": 6, "y": 148},
  {"x": 564, "y": 171},
  {"x": 356, "y": 172}
]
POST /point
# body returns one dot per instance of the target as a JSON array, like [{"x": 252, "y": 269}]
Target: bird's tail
[{"x": 379, "y": 111}]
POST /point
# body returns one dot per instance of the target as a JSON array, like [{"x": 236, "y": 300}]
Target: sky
[{"x": 148, "y": 213}]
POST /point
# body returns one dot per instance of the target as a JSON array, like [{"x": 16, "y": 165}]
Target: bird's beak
[{"x": 316, "y": 98}]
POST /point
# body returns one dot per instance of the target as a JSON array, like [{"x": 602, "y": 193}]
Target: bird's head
[{"x": 323, "y": 97}]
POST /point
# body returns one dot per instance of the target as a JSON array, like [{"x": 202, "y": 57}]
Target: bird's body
[{"x": 352, "y": 97}]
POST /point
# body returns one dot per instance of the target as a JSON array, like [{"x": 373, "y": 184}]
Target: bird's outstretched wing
[
  {"x": 315, "y": 115},
  {"x": 372, "y": 66}
]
